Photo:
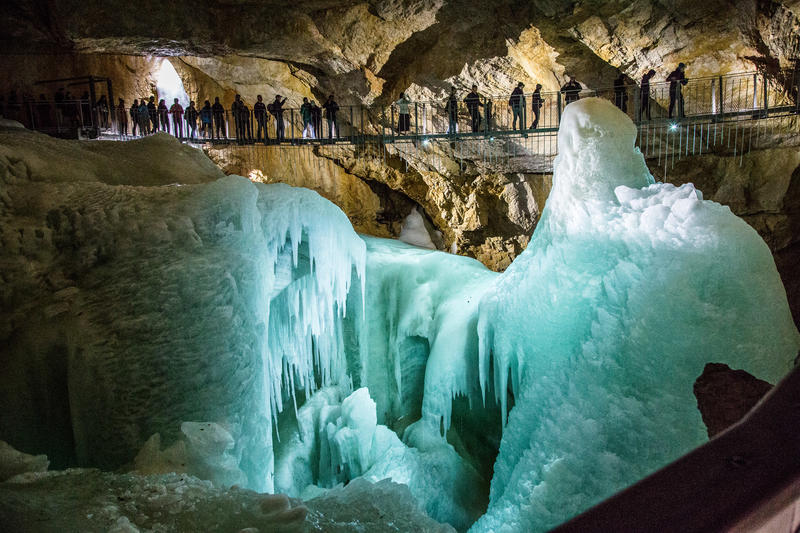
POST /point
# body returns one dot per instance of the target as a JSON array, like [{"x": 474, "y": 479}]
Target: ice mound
[
  {"x": 338, "y": 441},
  {"x": 131, "y": 310},
  {"x": 626, "y": 290}
]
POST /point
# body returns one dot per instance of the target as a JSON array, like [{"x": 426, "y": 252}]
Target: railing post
[
  {"x": 424, "y": 118},
  {"x": 416, "y": 119},
  {"x": 721, "y": 98},
  {"x": 765, "y": 96},
  {"x": 558, "y": 106},
  {"x": 391, "y": 126},
  {"x": 352, "y": 124},
  {"x": 755, "y": 92},
  {"x": 291, "y": 117}
]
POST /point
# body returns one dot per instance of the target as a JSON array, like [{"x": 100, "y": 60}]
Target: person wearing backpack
[
  {"x": 191, "y": 120},
  {"x": 206, "y": 120},
  {"x": 517, "y": 104}
]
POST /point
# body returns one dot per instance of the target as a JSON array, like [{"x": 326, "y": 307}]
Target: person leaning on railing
[
  {"x": 621, "y": 93},
  {"x": 571, "y": 90},
  {"x": 276, "y": 109}
]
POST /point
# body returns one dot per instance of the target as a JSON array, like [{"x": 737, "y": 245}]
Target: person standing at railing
[
  {"x": 644, "y": 107},
  {"x": 536, "y": 101},
  {"x": 276, "y": 110},
  {"x": 238, "y": 126},
  {"x": 794, "y": 89},
  {"x": 331, "y": 108},
  {"x": 163, "y": 115},
  {"x": 571, "y": 90},
  {"x": 307, "y": 116},
  {"x": 316, "y": 120},
  {"x": 134, "y": 113},
  {"x": 260, "y": 114},
  {"x": 621, "y": 93},
  {"x": 517, "y": 104},
  {"x": 122, "y": 118},
  {"x": 145, "y": 116},
  {"x": 451, "y": 108},
  {"x": 219, "y": 118},
  {"x": 153, "y": 111},
  {"x": 676, "y": 79},
  {"x": 473, "y": 101},
  {"x": 191, "y": 120},
  {"x": 404, "y": 116},
  {"x": 102, "y": 109},
  {"x": 176, "y": 110},
  {"x": 206, "y": 120},
  {"x": 244, "y": 120}
]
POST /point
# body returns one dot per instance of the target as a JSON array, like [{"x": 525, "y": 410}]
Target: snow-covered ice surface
[{"x": 168, "y": 319}]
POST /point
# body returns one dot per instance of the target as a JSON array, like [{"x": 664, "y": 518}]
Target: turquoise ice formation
[{"x": 268, "y": 345}]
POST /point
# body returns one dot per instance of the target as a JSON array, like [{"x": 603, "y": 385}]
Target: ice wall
[
  {"x": 625, "y": 291},
  {"x": 145, "y": 308}
]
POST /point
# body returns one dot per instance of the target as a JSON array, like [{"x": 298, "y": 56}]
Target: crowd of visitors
[{"x": 214, "y": 122}]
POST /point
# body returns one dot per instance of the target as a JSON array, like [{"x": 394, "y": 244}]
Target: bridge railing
[{"x": 717, "y": 98}]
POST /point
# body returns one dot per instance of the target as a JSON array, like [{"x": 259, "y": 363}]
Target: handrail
[{"x": 728, "y": 97}]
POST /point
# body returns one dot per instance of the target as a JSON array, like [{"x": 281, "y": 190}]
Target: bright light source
[
  {"x": 425, "y": 142},
  {"x": 169, "y": 84},
  {"x": 673, "y": 127}
]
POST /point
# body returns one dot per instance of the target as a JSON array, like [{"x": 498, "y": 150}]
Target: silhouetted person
[
  {"x": 191, "y": 120},
  {"x": 153, "y": 110},
  {"x": 244, "y": 120},
  {"x": 621, "y": 93},
  {"x": 122, "y": 118},
  {"x": 644, "y": 108},
  {"x": 219, "y": 118},
  {"x": 517, "y": 104},
  {"x": 145, "y": 116},
  {"x": 571, "y": 91},
  {"x": 260, "y": 114},
  {"x": 237, "y": 101},
  {"x": 451, "y": 108},
  {"x": 316, "y": 119},
  {"x": 676, "y": 79},
  {"x": 794, "y": 85},
  {"x": 134, "y": 113},
  {"x": 176, "y": 110},
  {"x": 163, "y": 116},
  {"x": 536, "y": 105},
  {"x": 473, "y": 101},
  {"x": 276, "y": 109},
  {"x": 102, "y": 108},
  {"x": 331, "y": 108},
  {"x": 206, "y": 120},
  {"x": 307, "y": 115}
]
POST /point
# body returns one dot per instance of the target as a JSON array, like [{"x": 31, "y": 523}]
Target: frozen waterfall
[{"x": 245, "y": 334}]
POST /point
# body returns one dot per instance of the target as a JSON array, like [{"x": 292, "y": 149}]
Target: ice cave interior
[{"x": 202, "y": 341}]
